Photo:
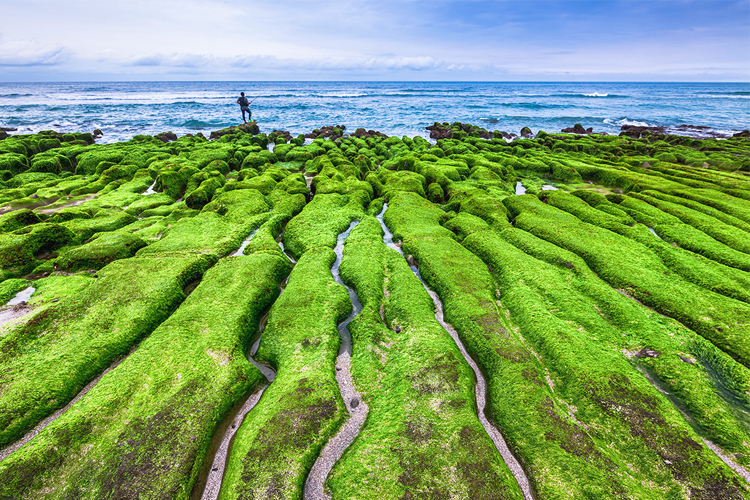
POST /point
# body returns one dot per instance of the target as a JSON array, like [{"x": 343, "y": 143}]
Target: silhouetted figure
[{"x": 245, "y": 107}]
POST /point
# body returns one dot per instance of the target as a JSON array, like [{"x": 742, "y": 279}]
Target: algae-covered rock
[
  {"x": 14, "y": 162},
  {"x": 20, "y": 248},
  {"x": 103, "y": 249},
  {"x": 17, "y": 219}
]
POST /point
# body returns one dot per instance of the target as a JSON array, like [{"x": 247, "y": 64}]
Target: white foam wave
[
  {"x": 625, "y": 121},
  {"x": 596, "y": 94}
]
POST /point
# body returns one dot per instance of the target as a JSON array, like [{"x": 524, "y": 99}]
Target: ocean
[{"x": 124, "y": 109}]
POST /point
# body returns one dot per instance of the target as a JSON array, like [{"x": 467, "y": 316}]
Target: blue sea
[{"x": 124, "y": 109}]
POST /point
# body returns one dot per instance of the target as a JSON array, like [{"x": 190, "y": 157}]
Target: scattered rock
[
  {"x": 330, "y": 132},
  {"x": 647, "y": 353},
  {"x": 458, "y": 130},
  {"x": 438, "y": 131},
  {"x": 166, "y": 137},
  {"x": 97, "y": 133},
  {"x": 578, "y": 129},
  {"x": 526, "y": 133},
  {"x": 285, "y": 134},
  {"x": 366, "y": 134}
]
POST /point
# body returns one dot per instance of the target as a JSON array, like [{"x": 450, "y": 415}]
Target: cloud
[
  {"x": 270, "y": 62},
  {"x": 173, "y": 60},
  {"x": 25, "y": 53}
]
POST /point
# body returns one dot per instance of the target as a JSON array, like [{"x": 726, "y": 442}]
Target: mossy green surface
[
  {"x": 575, "y": 312},
  {"x": 422, "y": 437},
  {"x": 103, "y": 249},
  {"x": 579, "y": 328},
  {"x": 632, "y": 267},
  {"x": 47, "y": 360},
  {"x": 280, "y": 438},
  {"x": 144, "y": 429}
]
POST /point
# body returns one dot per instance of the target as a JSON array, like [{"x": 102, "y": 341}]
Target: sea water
[{"x": 124, "y": 109}]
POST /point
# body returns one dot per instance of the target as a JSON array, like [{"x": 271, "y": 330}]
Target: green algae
[
  {"x": 580, "y": 327},
  {"x": 280, "y": 438},
  {"x": 144, "y": 429},
  {"x": 47, "y": 360},
  {"x": 100, "y": 251},
  {"x": 422, "y": 436},
  {"x": 555, "y": 272}
]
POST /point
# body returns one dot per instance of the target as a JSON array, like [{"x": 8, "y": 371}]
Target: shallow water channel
[
  {"x": 357, "y": 408},
  {"x": 222, "y": 441},
  {"x": 481, "y": 386}
]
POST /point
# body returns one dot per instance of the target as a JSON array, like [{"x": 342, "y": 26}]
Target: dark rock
[
  {"x": 3, "y": 134},
  {"x": 686, "y": 360},
  {"x": 744, "y": 133},
  {"x": 647, "y": 353},
  {"x": 8, "y": 129},
  {"x": 166, "y": 136},
  {"x": 578, "y": 129},
  {"x": 354, "y": 403},
  {"x": 330, "y": 132},
  {"x": 97, "y": 133},
  {"x": 280, "y": 134},
  {"x": 366, "y": 134},
  {"x": 526, "y": 133},
  {"x": 637, "y": 132},
  {"x": 440, "y": 131}
]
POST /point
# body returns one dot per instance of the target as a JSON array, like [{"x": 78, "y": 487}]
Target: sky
[{"x": 437, "y": 40}]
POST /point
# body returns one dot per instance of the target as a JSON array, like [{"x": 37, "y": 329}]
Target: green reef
[{"x": 558, "y": 316}]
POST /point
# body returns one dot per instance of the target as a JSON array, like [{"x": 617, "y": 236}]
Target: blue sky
[{"x": 496, "y": 40}]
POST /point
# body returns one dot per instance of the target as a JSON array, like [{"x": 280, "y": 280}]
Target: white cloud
[{"x": 30, "y": 53}]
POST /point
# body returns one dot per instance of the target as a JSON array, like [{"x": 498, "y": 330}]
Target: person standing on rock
[{"x": 244, "y": 106}]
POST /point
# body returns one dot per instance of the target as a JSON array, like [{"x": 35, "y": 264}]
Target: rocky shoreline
[{"x": 555, "y": 315}]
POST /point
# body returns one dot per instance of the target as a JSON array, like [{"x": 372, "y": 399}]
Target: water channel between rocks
[
  {"x": 481, "y": 387},
  {"x": 150, "y": 189},
  {"x": 357, "y": 408},
  {"x": 222, "y": 442},
  {"x": 16, "y": 307},
  {"x": 44, "y": 423},
  {"x": 685, "y": 412}
]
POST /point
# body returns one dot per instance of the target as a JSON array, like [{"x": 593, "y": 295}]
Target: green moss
[
  {"x": 434, "y": 443},
  {"x": 280, "y": 438},
  {"x": 630, "y": 266},
  {"x": 19, "y": 249},
  {"x": 588, "y": 324},
  {"x": 103, "y": 249},
  {"x": 128, "y": 300},
  {"x": 162, "y": 404},
  {"x": 9, "y": 288},
  {"x": 326, "y": 216},
  {"x": 105, "y": 220},
  {"x": 14, "y": 162},
  {"x": 17, "y": 219}
]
